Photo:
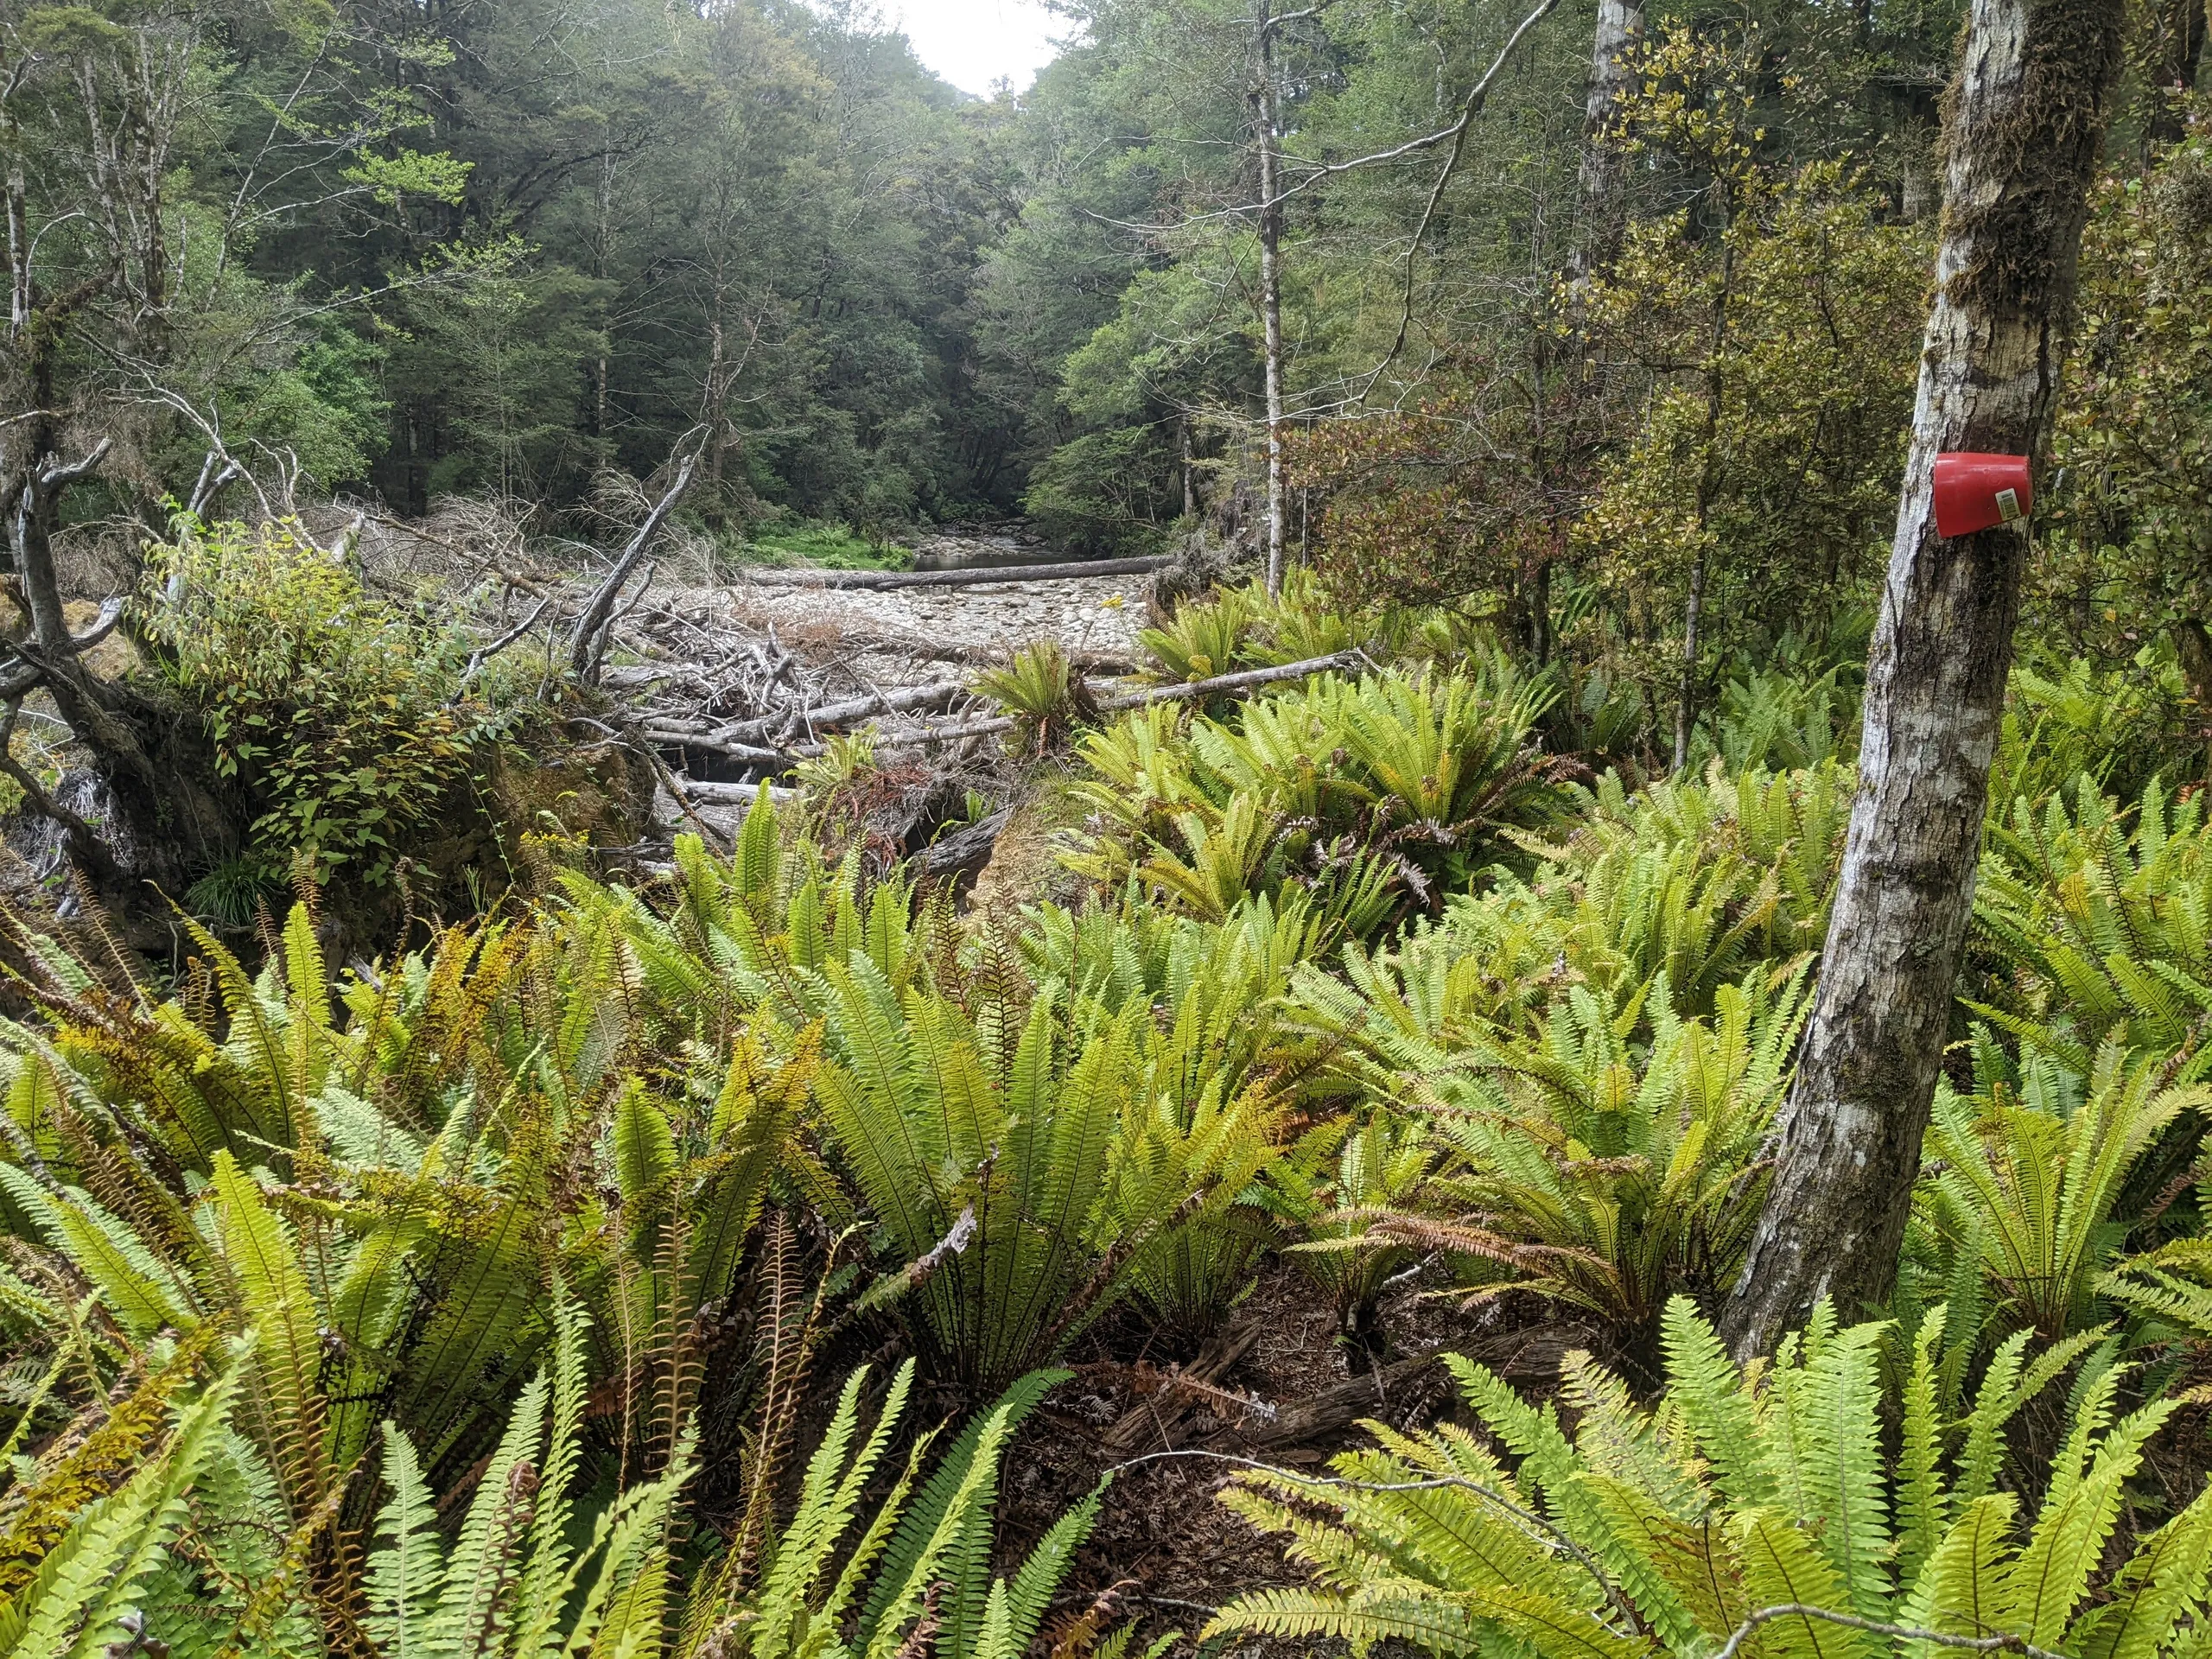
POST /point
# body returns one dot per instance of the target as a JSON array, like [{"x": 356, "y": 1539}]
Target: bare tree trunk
[
  {"x": 38, "y": 515},
  {"x": 1604, "y": 167},
  {"x": 2027, "y": 115},
  {"x": 602, "y": 248},
  {"x": 2181, "y": 28},
  {"x": 1265, "y": 119},
  {"x": 1189, "y": 473},
  {"x": 715, "y": 412},
  {"x": 1686, "y": 694},
  {"x": 19, "y": 237}
]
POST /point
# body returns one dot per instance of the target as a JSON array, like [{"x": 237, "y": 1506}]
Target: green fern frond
[
  {"x": 92, "y": 1573},
  {"x": 406, "y": 1574}
]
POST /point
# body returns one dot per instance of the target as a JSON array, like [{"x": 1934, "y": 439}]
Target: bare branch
[
  {"x": 1472, "y": 108},
  {"x": 1314, "y": 172},
  {"x": 484, "y": 654},
  {"x": 57, "y": 475},
  {"x": 215, "y": 472},
  {"x": 104, "y": 625},
  {"x": 586, "y": 644}
]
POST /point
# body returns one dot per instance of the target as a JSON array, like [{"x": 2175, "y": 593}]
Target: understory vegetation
[{"x": 572, "y": 1281}]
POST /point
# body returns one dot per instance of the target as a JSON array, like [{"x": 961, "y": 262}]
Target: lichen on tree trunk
[
  {"x": 1267, "y": 126},
  {"x": 2024, "y": 120},
  {"x": 1604, "y": 172}
]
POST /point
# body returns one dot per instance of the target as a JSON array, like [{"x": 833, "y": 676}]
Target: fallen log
[
  {"x": 1091, "y": 662},
  {"x": 705, "y": 792},
  {"x": 1177, "y": 1393},
  {"x": 967, "y": 849},
  {"x": 913, "y": 699},
  {"x": 882, "y": 581},
  {"x": 1247, "y": 680},
  {"x": 923, "y": 736},
  {"x": 742, "y": 739},
  {"x": 1219, "y": 685},
  {"x": 708, "y": 741},
  {"x": 686, "y": 737},
  {"x": 717, "y": 812},
  {"x": 1328, "y": 1413}
]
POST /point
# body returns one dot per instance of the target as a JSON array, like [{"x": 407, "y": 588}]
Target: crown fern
[{"x": 1743, "y": 1505}]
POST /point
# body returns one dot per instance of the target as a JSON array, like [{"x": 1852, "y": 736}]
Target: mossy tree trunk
[
  {"x": 2025, "y": 117},
  {"x": 171, "y": 817}
]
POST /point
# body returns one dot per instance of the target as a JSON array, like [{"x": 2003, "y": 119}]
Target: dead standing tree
[
  {"x": 1603, "y": 178},
  {"x": 2026, "y": 118}
]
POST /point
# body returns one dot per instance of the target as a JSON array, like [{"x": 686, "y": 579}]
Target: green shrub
[
  {"x": 824, "y": 545},
  {"x": 1042, "y": 690},
  {"x": 1783, "y": 722},
  {"x": 1699, "y": 882},
  {"x": 1098, "y": 493},
  {"x": 2067, "y": 718},
  {"x": 1582, "y": 1164},
  {"x": 1033, "y": 1161},
  {"x": 2035, "y": 1181},
  {"x": 2102, "y": 921},
  {"x": 2169, "y": 1289},
  {"x": 542, "y": 1148},
  {"x": 1379, "y": 1167},
  {"x": 337, "y": 712},
  {"x": 1204, "y": 638}
]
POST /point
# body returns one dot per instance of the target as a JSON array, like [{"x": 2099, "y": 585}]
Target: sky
[{"x": 973, "y": 42}]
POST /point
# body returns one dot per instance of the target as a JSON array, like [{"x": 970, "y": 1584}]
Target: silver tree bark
[
  {"x": 2025, "y": 118},
  {"x": 1605, "y": 168},
  {"x": 1269, "y": 123}
]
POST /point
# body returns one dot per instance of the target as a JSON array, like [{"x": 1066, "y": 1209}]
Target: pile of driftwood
[
  {"x": 727, "y": 689},
  {"x": 706, "y": 677},
  {"x": 752, "y": 741}
]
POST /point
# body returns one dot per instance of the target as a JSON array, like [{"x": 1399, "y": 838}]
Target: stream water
[{"x": 983, "y": 550}]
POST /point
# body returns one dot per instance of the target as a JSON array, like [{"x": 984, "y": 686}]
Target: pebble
[{"x": 1099, "y": 613}]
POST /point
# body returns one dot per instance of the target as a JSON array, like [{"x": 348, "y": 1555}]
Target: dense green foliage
[
  {"x": 338, "y": 711},
  {"x": 507, "y": 249},
  {"x": 500, "y": 249},
  {"x": 429, "y": 1296}
]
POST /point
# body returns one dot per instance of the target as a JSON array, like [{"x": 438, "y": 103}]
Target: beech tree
[{"x": 2026, "y": 118}]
